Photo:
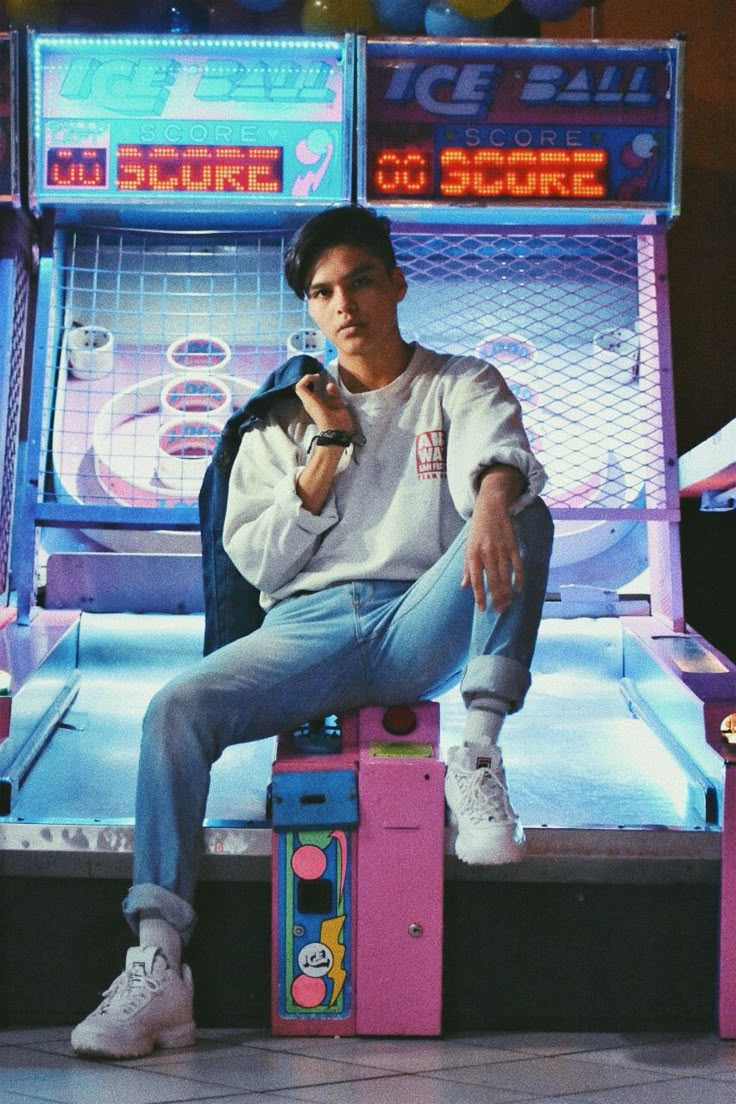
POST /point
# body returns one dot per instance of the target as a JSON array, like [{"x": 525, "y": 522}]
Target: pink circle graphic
[
  {"x": 308, "y": 992},
  {"x": 309, "y": 862}
]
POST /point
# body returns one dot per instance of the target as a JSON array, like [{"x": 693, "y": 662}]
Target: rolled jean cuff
[
  {"x": 174, "y": 910},
  {"x": 491, "y": 676}
]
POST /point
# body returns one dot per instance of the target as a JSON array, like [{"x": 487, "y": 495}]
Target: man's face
[{"x": 353, "y": 300}]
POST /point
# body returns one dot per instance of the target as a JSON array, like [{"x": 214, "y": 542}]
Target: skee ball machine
[
  {"x": 10, "y": 373},
  {"x": 169, "y": 172},
  {"x": 17, "y": 244},
  {"x": 531, "y": 185}
]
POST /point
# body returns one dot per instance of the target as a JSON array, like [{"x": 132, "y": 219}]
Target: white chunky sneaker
[
  {"x": 148, "y": 1005},
  {"x": 488, "y": 829}
]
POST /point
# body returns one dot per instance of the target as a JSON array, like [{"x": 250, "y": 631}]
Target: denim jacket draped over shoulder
[{"x": 231, "y": 604}]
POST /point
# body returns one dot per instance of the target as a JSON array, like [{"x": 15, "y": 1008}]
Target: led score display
[
  {"x": 76, "y": 168},
  {"x": 169, "y": 168},
  {"x": 461, "y": 173}
]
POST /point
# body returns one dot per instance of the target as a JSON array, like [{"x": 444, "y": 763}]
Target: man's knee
[
  {"x": 180, "y": 715},
  {"x": 176, "y": 698},
  {"x": 535, "y": 533}
]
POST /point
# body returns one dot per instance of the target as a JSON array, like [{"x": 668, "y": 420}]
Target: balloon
[
  {"x": 175, "y": 16},
  {"x": 285, "y": 19},
  {"x": 441, "y": 19},
  {"x": 552, "y": 9},
  {"x": 337, "y": 16},
  {"x": 90, "y": 17},
  {"x": 260, "y": 5},
  {"x": 187, "y": 17},
  {"x": 226, "y": 16},
  {"x": 515, "y": 22},
  {"x": 479, "y": 9},
  {"x": 401, "y": 16},
  {"x": 44, "y": 14}
]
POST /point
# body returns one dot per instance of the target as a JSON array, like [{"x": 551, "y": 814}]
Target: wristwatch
[{"x": 338, "y": 437}]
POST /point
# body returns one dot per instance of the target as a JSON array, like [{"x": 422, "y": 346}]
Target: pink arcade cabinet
[{"x": 358, "y": 875}]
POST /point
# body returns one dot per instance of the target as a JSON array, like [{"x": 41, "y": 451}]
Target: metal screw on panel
[{"x": 415, "y": 930}]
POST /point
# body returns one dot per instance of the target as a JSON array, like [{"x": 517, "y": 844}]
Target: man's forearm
[
  {"x": 315, "y": 481},
  {"x": 492, "y": 561},
  {"x": 500, "y": 484}
]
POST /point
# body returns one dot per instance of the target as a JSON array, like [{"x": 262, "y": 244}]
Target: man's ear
[{"x": 400, "y": 284}]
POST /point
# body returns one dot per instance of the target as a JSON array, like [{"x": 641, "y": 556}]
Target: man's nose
[{"x": 345, "y": 300}]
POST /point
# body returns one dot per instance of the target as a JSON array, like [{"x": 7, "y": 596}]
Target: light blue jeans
[{"x": 362, "y": 643}]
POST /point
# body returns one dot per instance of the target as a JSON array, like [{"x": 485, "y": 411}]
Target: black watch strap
[{"x": 339, "y": 437}]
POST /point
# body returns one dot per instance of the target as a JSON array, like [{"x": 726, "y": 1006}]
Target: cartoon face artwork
[{"x": 315, "y": 959}]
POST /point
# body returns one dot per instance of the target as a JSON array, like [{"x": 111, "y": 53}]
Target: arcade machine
[
  {"x": 530, "y": 187},
  {"x": 16, "y": 275},
  {"x": 708, "y": 472},
  {"x": 15, "y": 270},
  {"x": 169, "y": 172}
]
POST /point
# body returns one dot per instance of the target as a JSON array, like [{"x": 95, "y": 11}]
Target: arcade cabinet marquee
[
  {"x": 587, "y": 125},
  {"x": 210, "y": 121}
]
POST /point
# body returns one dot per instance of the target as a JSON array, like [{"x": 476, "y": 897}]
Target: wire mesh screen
[
  {"x": 571, "y": 321},
  {"x": 12, "y": 371},
  {"x": 154, "y": 339}
]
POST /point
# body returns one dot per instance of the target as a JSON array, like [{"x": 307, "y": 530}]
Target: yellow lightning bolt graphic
[{"x": 329, "y": 934}]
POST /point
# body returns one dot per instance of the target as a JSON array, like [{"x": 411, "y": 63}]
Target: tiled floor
[{"x": 234, "y": 1067}]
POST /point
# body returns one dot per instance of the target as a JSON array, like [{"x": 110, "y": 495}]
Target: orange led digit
[
  {"x": 416, "y": 172},
  {"x": 388, "y": 177}
]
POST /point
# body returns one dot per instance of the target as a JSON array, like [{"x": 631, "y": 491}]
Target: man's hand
[
  {"x": 492, "y": 561},
  {"x": 320, "y": 397},
  {"x": 323, "y": 403}
]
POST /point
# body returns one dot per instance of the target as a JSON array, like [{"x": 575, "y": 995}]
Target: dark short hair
[{"x": 349, "y": 225}]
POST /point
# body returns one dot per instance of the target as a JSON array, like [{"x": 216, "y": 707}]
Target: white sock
[
  {"x": 482, "y": 727},
  {"x": 154, "y": 931}
]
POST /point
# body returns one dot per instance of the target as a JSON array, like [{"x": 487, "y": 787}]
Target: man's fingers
[
  {"x": 499, "y": 587},
  {"x": 495, "y": 579}
]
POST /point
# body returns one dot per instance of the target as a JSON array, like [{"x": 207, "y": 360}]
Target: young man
[{"x": 390, "y": 518}]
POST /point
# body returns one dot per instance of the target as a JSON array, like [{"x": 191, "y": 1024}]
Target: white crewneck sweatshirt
[{"x": 399, "y": 499}]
